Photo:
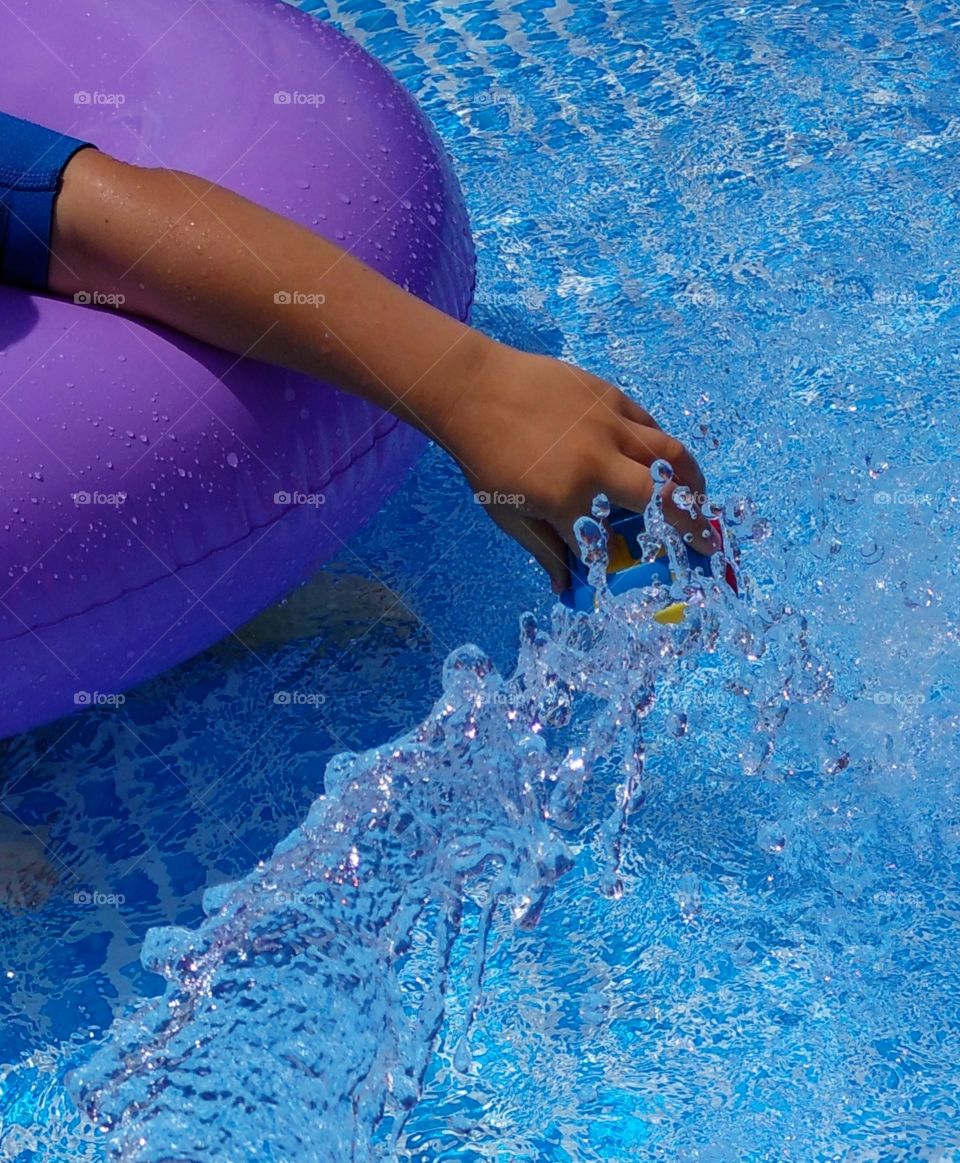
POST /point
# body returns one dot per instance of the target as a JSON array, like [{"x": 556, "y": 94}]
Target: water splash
[
  {"x": 294, "y": 993},
  {"x": 747, "y": 219}
]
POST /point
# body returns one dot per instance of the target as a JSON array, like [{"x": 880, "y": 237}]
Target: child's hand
[
  {"x": 519, "y": 425},
  {"x": 538, "y": 439}
]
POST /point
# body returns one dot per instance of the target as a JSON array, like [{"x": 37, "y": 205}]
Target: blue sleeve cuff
[{"x": 32, "y": 161}]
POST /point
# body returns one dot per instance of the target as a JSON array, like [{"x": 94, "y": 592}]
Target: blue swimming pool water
[{"x": 748, "y": 216}]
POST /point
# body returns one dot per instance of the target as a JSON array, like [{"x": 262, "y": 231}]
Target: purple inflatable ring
[{"x": 156, "y": 493}]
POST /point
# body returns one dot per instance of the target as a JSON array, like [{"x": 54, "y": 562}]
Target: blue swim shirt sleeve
[{"x": 32, "y": 161}]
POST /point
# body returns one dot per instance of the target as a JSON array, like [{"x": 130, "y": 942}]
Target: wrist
[{"x": 450, "y": 387}]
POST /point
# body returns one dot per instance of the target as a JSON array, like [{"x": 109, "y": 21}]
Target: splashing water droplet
[
  {"x": 600, "y": 507},
  {"x": 662, "y": 472}
]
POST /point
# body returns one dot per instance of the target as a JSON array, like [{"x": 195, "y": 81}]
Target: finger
[
  {"x": 645, "y": 445},
  {"x": 638, "y": 414},
  {"x": 706, "y": 540},
  {"x": 541, "y": 540},
  {"x": 686, "y": 472},
  {"x": 631, "y": 486}
]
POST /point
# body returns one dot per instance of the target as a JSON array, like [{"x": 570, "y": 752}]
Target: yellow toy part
[{"x": 671, "y": 615}]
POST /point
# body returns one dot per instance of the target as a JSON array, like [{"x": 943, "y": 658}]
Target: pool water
[{"x": 747, "y": 216}]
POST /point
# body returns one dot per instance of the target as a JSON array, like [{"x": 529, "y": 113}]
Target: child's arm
[{"x": 198, "y": 258}]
